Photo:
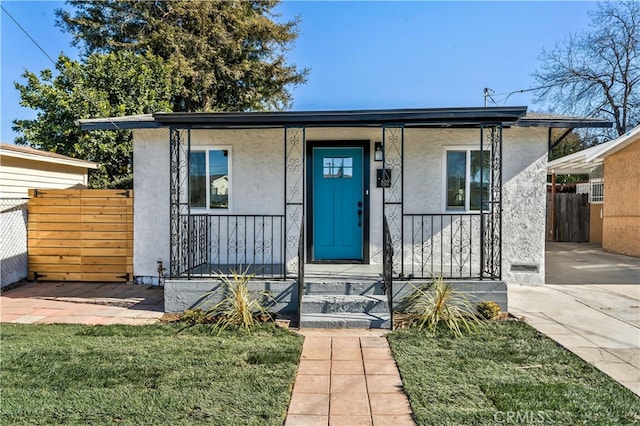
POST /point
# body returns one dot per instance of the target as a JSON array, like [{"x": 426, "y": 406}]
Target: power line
[
  {"x": 509, "y": 94},
  {"x": 27, "y": 34},
  {"x": 75, "y": 84}
]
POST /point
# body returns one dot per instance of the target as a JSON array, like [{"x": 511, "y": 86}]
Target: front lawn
[
  {"x": 72, "y": 374},
  {"x": 507, "y": 373}
]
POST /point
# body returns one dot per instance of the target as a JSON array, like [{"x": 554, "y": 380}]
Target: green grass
[
  {"x": 71, "y": 374},
  {"x": 506, "y": 373}
]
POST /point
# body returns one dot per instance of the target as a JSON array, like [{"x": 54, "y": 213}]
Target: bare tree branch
[{"x": 596, "y": 71}]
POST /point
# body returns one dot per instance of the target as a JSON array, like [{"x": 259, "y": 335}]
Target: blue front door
[{"x": 338, "y": 212}]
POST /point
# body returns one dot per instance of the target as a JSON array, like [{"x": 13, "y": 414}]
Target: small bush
[
  {"x": 438, "y": 303},
  {"x": 488, "y": 310},
  {"x": 195, "y": 316},
  {"x": 240, "y": 307}
]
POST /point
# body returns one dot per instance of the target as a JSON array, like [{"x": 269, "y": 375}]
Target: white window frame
[
  {"x": 467, "y": 199},
  {"x": 206, "y": 149},
  {"x": 596, "y": 191}
]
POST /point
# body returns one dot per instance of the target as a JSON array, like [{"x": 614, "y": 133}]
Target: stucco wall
[
  {"x": 621, "y": 226},
  {"x": 524, "y": 204},
  {"x": 256, "y": 185},
  {"x": 151, "y": 203}
]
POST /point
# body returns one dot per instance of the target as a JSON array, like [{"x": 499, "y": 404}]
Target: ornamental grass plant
[
  {"x": 240, "y": 307},
  {"x": 438, "y": 304}
]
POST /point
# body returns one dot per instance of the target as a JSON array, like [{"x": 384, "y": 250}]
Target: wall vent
[{"x": 524, "y": 267}]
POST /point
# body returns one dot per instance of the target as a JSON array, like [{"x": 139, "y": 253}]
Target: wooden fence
[
  {"x": 571, "y": 218},
  {"x": 80, "y": 235}
]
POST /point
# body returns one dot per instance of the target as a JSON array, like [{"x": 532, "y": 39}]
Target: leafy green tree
[
  {"x": 573, "y": 142},
  {"x": 597, "y": 72},
  {"x": 106, "y": 85},
  {"x": 230, "y": 54}
]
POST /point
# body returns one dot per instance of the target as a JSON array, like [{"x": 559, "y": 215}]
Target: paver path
[
  {"x": 81, "y": 303},
  {"x": 347, "y": 377}
]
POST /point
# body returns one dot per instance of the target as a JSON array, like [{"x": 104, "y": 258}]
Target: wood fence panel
[
  {"x": 80, "y": 235},
  {"x": 571, "y": 218}
]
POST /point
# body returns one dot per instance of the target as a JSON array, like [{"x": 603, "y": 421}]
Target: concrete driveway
[
  {"x": 590, "y": 305},
  {"x": 586, "y": 263}
]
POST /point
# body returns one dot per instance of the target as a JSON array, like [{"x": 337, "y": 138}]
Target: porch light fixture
[{"x": 378, "y": 154}]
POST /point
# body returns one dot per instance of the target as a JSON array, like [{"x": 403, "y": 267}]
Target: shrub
[
  {"x": 195, "y": 316},
  {"x": 488, "y": 310},
  {"x": 439, "y": 303},
  {"x": 239, "y": 306}
]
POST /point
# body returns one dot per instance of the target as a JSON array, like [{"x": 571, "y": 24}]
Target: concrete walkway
[
  {"x": 81, "y": 303},
  {"x": 347, "y": 377},
  {"x": 590, "y": 305},
  {"x": 599, "y": 323}
]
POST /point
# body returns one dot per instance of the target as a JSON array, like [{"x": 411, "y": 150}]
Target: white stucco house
[{"x": 401, "y": 195}]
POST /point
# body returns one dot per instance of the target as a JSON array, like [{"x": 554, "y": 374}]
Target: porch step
[
  {"x": 330, "y": 303},
  {"x": 345, "y": 320},
  {"x": 345, "y": 310}
]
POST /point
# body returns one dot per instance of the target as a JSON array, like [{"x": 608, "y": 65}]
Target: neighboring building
[
  {"x": 411, "y": 194},
  {"x": 21, "y": 169},
  {"x": 614, "y": 197}
]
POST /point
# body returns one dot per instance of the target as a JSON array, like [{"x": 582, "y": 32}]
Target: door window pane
[
  {"x": 456, "y": 179},
  {"x": 337, "y": 167}
]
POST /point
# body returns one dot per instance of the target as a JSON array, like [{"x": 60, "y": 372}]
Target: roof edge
[
  {"x": 436, "y": 117},
  {"x": 615, "y": 145},
  {"x": 33, "y": 154}
]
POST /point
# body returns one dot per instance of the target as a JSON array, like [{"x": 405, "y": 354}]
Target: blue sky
[{"x": 361, "y": 54}]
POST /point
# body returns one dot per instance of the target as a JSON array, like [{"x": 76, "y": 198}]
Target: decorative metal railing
[
  {"x": 300, "y": 269},
  {"x": 219, "y": 244},
  {"x": 447, "y": 245},
  {"x": 387, "y": 265}
]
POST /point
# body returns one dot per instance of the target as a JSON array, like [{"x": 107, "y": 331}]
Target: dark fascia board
[
  {"x": 568, "y": 123},
  {"x": 145, "y": 121},
  {"x": 412, "y": 118},
  {"x": 114, "y": 125},
  {"x": 429, "y": 117},
  {"x": 442, "y": 117}
]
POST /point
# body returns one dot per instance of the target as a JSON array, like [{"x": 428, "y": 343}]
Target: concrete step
[
  {"x": 345, "y": 320},
  {"x": 340, "y": 303},
  {"x": 343, "y": 287}
]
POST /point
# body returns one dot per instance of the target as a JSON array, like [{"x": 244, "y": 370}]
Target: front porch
[
  {"x": 329, "y": 295},
  {"x": 392, "y": 238}
]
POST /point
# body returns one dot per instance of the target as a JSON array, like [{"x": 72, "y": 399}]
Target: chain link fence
[{"x": 13, "y": 240}]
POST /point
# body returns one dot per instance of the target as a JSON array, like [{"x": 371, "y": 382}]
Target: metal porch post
[
  {"x": 491, "y": 223},
  {"x": 178, "y": 203},
  {"x": 294, "y": 196},
  {"x": 393, "y": 191}
]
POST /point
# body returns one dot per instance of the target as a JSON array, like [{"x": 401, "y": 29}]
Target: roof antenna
[{"x": 487, "y": 94}]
